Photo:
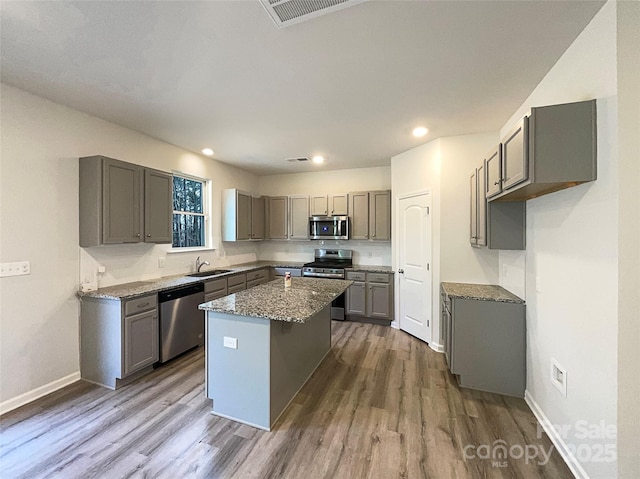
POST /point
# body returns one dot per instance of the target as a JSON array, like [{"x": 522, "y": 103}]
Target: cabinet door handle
[
  {"x": 138, "y": 235},
  {"x": 148, "y": 235}
]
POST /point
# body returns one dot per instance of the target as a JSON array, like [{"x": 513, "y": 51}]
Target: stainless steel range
[{"x": 330, "y": 264}]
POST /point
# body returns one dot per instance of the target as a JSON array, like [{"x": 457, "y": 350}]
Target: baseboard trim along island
[{"x": 263, "y": 344}]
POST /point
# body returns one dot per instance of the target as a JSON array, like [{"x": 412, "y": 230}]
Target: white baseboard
[
  {"x": 557, "y": 440},
  {"x": 439, "y": 348},
  {"x": 29, "y": 396}
]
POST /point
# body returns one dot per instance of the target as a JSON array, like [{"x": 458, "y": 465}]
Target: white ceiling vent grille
[{"x": 289, "y": 12}]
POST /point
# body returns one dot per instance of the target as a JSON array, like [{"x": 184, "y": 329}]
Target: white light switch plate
[
  {"x": 230, "y": 342},
  {"x": 15, "y": 269}
]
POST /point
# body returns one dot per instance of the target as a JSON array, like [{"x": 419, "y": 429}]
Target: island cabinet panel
[
  {"x": 278, "y": 217},
  {"x": 119, "y": 339},
  {"x": 255, "y": 381},
  {"x": 121, "y": 202}
]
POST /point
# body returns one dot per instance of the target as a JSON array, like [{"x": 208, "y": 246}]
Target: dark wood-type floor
[{"x": 381, "y": 405}]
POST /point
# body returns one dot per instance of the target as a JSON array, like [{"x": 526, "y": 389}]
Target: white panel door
[{"x": 414, "y": 265}]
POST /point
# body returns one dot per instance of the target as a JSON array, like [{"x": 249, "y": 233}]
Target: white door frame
[{"x": 396, "y": 255}]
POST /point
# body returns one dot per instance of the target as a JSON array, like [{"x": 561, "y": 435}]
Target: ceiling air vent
[
  {"x": 297, "y": 159},
  {"x": 289, "y": 12}
]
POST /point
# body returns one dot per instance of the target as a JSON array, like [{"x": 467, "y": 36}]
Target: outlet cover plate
[{"x": 17, "y": 268}]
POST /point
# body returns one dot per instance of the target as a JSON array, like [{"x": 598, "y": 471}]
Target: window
[{"x": 189, "y": 213}]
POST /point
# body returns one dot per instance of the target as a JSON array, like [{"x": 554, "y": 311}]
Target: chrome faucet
[{"x": 199, "y": 265}]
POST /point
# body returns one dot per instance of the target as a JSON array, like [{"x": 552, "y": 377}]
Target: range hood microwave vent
[{"x": 289, "y": 12}]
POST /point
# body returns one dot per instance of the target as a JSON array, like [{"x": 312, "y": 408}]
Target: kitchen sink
[{"x": 211, "y": 272}]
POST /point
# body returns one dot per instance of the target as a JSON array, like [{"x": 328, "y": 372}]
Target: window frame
[{"x": 206, "y": 212}]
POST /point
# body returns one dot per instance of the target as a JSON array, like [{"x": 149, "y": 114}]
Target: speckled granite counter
[
  {"x": 483, "y": 292},
  {"x": 140, "y": 288},
  {"x": 297, "y": 303},
  {"x": 371, "y": 268}
]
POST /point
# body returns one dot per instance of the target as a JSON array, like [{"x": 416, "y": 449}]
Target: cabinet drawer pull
[
  {"x": 148, "y": 235},
  {"x": 143, "y": 305},
  {"x": 138, "y": 235}
]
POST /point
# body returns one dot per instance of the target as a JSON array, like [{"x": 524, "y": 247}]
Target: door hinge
[
  {"x": 427, "y": 266},
  {"x": 427, "y": 210},
  {"x": 428, "y": 323}
]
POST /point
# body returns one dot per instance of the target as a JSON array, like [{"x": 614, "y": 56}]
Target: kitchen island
[{"x": 263, "y": 344}]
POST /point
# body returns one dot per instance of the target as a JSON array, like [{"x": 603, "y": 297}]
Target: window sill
[{"x": 191, "y": 250}]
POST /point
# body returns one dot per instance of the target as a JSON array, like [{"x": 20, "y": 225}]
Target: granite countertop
[
  {"x": 297, "y": 303},
  {"x": 140, "y": 288},
  {"x": 370, "y": 268},
  {"x": 482, "y": 292}
]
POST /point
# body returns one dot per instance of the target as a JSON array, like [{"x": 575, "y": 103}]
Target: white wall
[
  {"x": 41, "y": 144},
  {"x": 326, "y": 182},
  {"x": 572, "y": 250},
  {"x": 444, "y": 166},
  {"x": 629, "y": 240}
]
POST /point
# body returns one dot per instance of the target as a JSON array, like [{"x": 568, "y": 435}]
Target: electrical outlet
[
  {"x": 15, "y": 269},
  {"x": 231, "y": 343},
  {"x": 559, "y": 377}
]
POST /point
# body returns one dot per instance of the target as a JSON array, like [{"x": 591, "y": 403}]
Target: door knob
[{"x": 401, "y": 271}]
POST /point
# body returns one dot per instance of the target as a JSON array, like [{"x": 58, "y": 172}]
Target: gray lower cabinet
[
  {"x": 236, "y": 282},
  {"x": 254, "y": 278},
  {"x": 371, "y": 295},
  {"x": 215, "y": 289},
  {"x": 120, "y": 202},
  {"x": 484, "y": 344},
  {"x": 118, "y": 338}
]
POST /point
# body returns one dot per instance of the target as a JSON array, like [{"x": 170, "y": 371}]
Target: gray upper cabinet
[
  {"x": 515, "y": 162},
  {"x": 278, "y": 214},
  {"x": 319, "y": 205},
  {"x": 380, "y": 215},
  {"x": 299, "y": 217},
  {"x": 120, "y": 202},
  {"x": 339, "y": 204},
  {"x": 236, "y": 215},
  {"x": 493, "y": 169},
  {"x": 478, "y": 213},
  {"x": 473, "y": 213},
  {"x": 158, "y": 211},
  {"x": 553, "y": 149},
  {"x": 258, "y": 215},
  {"x": 359, "y": 215}
]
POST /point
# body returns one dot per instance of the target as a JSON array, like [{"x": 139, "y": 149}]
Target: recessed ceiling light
[
  {"x": 318, "y": 159},
  {"x": 420, "y": 131},
  {"x": 207, "y": 151}
]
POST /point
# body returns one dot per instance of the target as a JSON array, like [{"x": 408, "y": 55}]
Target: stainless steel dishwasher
[{"x": 181, "y": 322}]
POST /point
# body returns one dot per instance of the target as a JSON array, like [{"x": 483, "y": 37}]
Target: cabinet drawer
[
  {"x": 139, "y": 305},
  {"x": 378, "y": 277},
  {"x": 236, "y": 288},
  {"x": 293, "y": 271},
  {"x": 215, "y": 286},
  {"x": 356, "y": 276},
  {"x": 237, "y": 279},
  {"x": 216, "y": 295},
  {"x": 254, "y": 275},
  {"x": 255, "y": 282}
]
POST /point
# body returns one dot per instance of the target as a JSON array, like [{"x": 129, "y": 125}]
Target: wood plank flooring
[{"x": 381, "y": 405}]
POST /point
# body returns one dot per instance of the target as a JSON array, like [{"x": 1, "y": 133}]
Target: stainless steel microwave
[{"x": 329, "y": 227}]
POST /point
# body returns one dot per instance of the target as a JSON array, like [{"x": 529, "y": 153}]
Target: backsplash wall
[{"x": 364, "y": 252}]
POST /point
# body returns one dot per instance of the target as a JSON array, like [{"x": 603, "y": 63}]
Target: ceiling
[{"x": 349, "y": 86}]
